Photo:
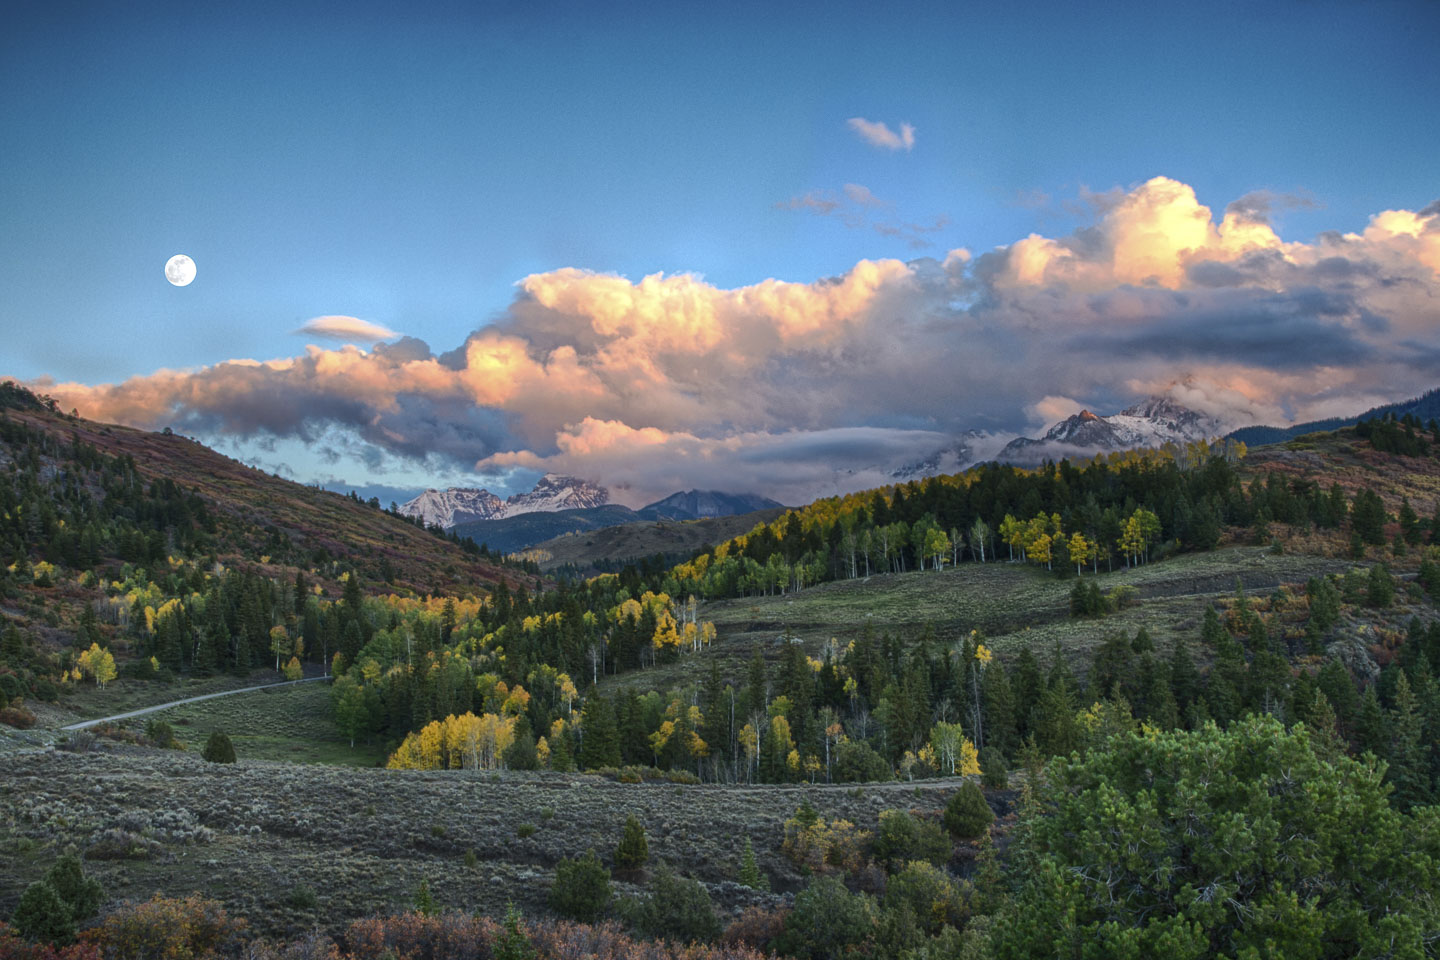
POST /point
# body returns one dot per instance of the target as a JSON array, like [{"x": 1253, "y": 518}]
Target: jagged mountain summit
[
  {"x": 1150, "y": 423},
  {"x": 700, "y": 504},
  {"x": 451, "y": 507}
]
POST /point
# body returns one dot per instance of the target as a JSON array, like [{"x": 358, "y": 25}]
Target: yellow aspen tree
[{"x": 293, "y": 670}]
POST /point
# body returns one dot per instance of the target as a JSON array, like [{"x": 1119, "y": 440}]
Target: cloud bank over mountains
[{"x": 802, "y": 389}]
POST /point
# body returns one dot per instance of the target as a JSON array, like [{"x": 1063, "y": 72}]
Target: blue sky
[{"x": 409, "y": 166}]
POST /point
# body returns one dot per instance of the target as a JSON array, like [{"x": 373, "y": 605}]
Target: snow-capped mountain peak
[
  {"x": 455, "y": 505},
  {"x": 1153, "y": 422},
  {"x": 553, "y": 492},
  {"x": 458, "y": 505}
]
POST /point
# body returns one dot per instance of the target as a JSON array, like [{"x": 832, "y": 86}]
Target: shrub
[
  {"x": 857, "y": 762},
  {"x": 992, "y": 769},
  {"x": 511, "y": 943},
  {"x": 967, "y": 815},
  {"x": 302, "y": 897},
  {"x": 449, "y": 936},
  {"x": 827, "y": 921},
  {"x": 582, "y": 888},
  {"x": 118, "y": 844},
  {"x": 42, "y": 916},
  {"x": 525, "y": 830},
  {"x": 424, "y": 903},
  {"x": 167, "y": 929},
  {"x": 219, "y": 749},
  {"x": 822, "y": 846},
  {"x": 17, "y": 717},
  {"x": 902, "y": 837},
  {"x": 677, "y": 907},
  {"x": 935, "y": 900},
  {"x": 81, "y": 894},
  {"x": 1186, "y": 793},
  {"x": 633, "y": 850},
  {"x": 13, "y": 948},
  {"x": 757, "y": 927},
  {"x": 160, "y": 733}
]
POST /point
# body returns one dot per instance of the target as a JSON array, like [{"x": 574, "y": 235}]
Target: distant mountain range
[
  {"x": 1150, "y": 423},
  {"x": 457, "y": 505},
  {"x": 1426, "y": 407},
  {"x": 560, "y": 505}
]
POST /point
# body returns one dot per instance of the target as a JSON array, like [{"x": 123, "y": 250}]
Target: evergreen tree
[{"x": 600, "y": 741}]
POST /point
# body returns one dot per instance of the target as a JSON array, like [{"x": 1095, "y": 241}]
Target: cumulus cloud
[
  {"x": 798, "y": 389},
  {"x": 879, "y": 134},
  {"x": 345, "y": 328}
]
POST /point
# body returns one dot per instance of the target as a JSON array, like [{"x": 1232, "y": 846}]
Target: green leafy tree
[
  {"x": 828, "y": 921},
  {"x": 1233, "y": 843},
  {"x": 582, "y": 888}
]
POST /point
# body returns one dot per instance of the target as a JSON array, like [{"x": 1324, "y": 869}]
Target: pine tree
[
  {"x": 750, "y": 873},
  {"x": 600, "y": 740},
  {"x": 633, "y": 850}
]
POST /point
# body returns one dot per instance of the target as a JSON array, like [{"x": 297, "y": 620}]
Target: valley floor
[{"x": 252, "y": 833}]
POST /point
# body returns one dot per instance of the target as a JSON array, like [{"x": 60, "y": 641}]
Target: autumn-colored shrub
[
  {"x": 822, "y": 847},
  {"x": 17, "y": 717},
  {"x": 757, "y": 927},
  {"x": 444, "y": 936},
  {"x": 166, "y": 929},
  {"x": 12, "y": 947}
]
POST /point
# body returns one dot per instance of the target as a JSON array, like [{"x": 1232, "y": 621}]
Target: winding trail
[{"x": 175, "y": 703}]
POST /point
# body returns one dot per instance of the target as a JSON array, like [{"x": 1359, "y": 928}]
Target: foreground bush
[
  {"x": 198, "y": 929},
  {"x": 42, "y": 916},
  {"x": 12, "y": 947},
  {"x": 1239, "y": 843},
  {"x": 166, "y": 929},
  {"x": 677, "y": 907},
  {"x": 828, "y": 921}
]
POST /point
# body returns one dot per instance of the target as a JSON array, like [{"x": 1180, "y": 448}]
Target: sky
[{"x": 781, "y": 248}]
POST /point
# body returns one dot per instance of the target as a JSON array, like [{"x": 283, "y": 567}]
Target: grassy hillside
[{"x": 261, "y": 515}]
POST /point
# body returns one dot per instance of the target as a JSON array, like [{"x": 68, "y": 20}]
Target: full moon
[{"x": 180, "y": 270}]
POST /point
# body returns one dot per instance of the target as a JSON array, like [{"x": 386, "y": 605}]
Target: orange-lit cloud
[{"x": 783, "y": 386}]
